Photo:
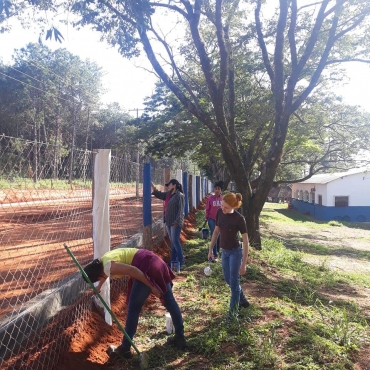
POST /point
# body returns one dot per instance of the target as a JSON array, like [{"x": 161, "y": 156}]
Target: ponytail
[
  {"x": 179, "y": 188},
  {"x": 233, "y": 200}
]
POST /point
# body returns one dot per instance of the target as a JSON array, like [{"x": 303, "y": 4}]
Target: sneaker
[
  {"x": 115, "y": 352},
  {"x": 244, "y": 305},
  {"x": 177, "y": 341}
]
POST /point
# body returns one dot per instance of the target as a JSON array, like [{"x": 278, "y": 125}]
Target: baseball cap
[{"x": 173, "y": 182}]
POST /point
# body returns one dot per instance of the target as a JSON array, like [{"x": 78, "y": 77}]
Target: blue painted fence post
[
  {"x": 186, "y": 192},
  {"x": 197, "y": 190},
  {"x": 147, "y": 206}
]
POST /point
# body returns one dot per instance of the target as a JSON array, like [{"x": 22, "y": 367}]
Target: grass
[
  {"x": 24, "y": 183},
  {"x": 278, "y": 213},
  {"x": 291, "y": 324}
]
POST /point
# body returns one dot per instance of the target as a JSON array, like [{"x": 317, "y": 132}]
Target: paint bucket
[
  {"x": 169, "y": 324},
  {"x": 205, "y": 233}
]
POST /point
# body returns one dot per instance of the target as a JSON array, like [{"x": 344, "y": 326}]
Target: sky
[{"x": 128, "y": 84}]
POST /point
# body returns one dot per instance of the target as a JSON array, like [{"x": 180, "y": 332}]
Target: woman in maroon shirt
[{"x": 228, "y": 223}]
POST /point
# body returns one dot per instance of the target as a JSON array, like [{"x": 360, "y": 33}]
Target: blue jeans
[
  {"x": 216, "y": 247},
  {"x": 231, "y": 262},
  {"x": 174, "y": 235},
  {"x": 139, "y": 293}
]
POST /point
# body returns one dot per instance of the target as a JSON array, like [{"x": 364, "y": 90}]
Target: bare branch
[
  {"x": 231, "y": 88},
  {"x": 262, "y": 45},
  {"x": 311, "y": 42},
  {"x": 175, "y": 68},
  {"x": 309, "y": 5},
  {"x": 223, "y": 52},
  {"x": 172, "y": 7},
  {"x": 291, "y": 33},
  {"x": 279, "y": 55},
  {"x": 311, "y": 173},
  {"x": 118, "y": 13},
  {"x": 333, "y": 61},
  {"x": 354, "y": 25},
  {"x": 316, "y": 75}
]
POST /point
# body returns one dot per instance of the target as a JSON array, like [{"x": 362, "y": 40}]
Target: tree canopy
[{"x": 288, "y": 54}]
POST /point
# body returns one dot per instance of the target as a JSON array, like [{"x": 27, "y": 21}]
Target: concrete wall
[
  {"x": 356, "y": 187},
  {"x": 349, "y": 214}
]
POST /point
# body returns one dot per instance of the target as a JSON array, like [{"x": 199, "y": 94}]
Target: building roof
[{"x": 324, "y": 178}]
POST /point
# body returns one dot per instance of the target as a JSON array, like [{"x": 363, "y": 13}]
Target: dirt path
[{"x": 339, "y": 248}]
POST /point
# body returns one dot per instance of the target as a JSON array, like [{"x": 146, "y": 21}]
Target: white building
[{"x": 342, "y": 196}]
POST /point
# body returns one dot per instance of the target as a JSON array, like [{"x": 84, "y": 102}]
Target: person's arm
[
  {"x": 208, "y": 207},
  {"x": 101, "y": 282},
  {"x": 158, "y": 194},
  {"x": 180, "y": 210},
  {"x": 243, "y": 266},
  {"x": 215, "y": 235},
  {"x": 118, "y": 268}
]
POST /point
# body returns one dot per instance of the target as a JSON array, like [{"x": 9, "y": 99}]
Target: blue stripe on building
[{"x": 349, "y": 214}]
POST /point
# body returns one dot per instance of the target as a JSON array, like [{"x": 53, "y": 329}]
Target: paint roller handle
[{"x": 204, "y": 224}]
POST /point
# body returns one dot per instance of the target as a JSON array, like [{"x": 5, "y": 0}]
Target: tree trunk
[
  {"x": 253, "y": 225},
  {"x": 251, "y": 210}
]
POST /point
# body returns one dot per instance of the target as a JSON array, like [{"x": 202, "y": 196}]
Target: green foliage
[{"x": 251, "y": 88}]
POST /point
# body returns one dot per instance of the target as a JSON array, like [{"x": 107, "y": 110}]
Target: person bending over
[{"x": 148, "y": 274}]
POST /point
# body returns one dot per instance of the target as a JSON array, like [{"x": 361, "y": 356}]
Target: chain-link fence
[{"x": 46, "y": 201}]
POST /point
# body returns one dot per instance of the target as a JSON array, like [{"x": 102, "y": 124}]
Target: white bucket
[{"x": 169, "y": 324}]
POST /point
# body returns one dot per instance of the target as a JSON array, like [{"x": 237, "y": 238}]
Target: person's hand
[
  {"x": 153, "y": 188},
  {"x": 99, "y": 286},
  {"x": 210, "y": 256},
  {"x": 243, "y": 269},
  {"x": 156, "y": 292}
]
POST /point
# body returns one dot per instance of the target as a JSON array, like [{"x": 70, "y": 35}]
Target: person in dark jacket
[{"x": 174, "y": 204}]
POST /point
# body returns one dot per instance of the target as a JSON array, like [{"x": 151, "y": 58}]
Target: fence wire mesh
[{"x": 46, "y": 201}]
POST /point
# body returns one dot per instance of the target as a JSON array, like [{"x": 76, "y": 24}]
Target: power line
[
  {"x": 47, "y": 69},
  {"x": 66, "y": 82},
  {"x": 26, "y": 84},
  {"x": 23, "y": 73}
]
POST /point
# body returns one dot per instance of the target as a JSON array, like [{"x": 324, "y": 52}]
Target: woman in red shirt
[{"x": 213, "y": 205}]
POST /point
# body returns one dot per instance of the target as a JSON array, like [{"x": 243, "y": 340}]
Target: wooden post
[{"x": 147, "y": 207}]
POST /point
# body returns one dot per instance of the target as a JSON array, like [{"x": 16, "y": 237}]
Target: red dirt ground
[{"x": 32, "y": 256}]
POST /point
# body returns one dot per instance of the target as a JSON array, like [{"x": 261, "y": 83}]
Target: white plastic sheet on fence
[{"x": 101, "y": 228}]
